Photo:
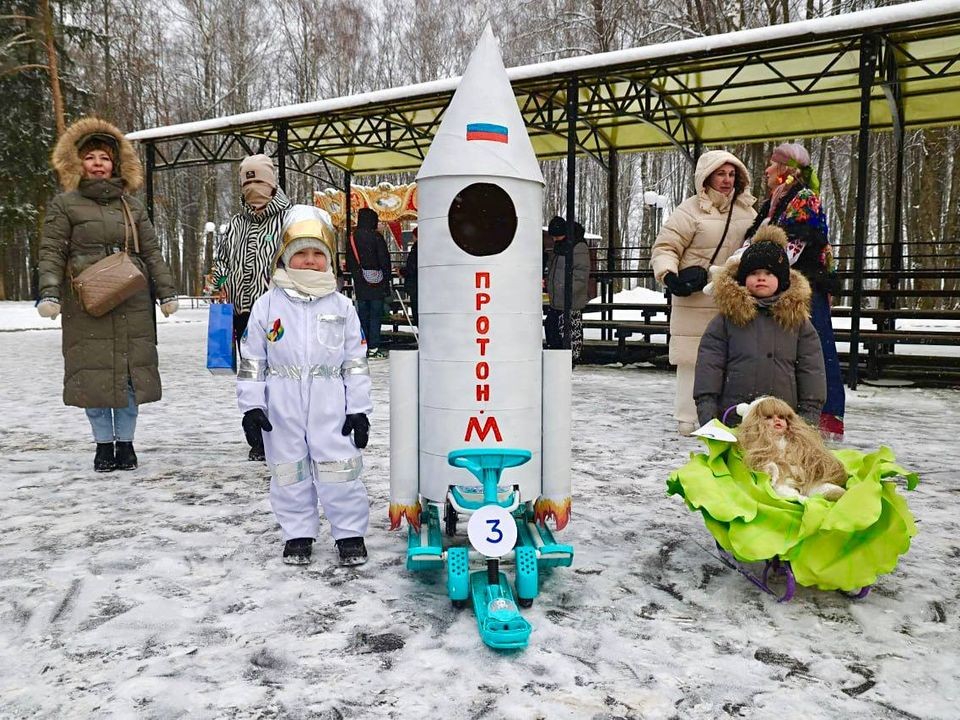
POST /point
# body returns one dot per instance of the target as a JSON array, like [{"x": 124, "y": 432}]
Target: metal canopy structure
[
  {"x": 891, "y": 68},
  {"x": 793, "y": 80}
]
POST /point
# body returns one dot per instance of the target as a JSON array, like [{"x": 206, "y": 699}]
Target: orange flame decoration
[
  {"x": 559, "y": 510},
  {"x": 398, "y": 511}
]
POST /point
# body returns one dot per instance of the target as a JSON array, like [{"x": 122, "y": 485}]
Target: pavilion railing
[{"x": 909, "y": 320}]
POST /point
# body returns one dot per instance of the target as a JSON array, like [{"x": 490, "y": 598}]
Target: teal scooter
[
  {"x": 493, "y": 533},
  {"x": 500, "y": 528}
]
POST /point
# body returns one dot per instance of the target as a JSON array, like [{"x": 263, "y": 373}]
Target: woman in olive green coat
[{"x": 110, "y": 362}]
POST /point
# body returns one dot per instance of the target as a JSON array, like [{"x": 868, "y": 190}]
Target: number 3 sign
[{"x": 492, "y": 531}]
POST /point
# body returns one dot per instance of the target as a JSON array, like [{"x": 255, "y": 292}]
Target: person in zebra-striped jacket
[{"x": 244, "y": 260}]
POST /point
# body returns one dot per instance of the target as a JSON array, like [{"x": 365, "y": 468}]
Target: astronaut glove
[
  {"x": 358, "y": 423},
  {"x": 253, "y": 422}
]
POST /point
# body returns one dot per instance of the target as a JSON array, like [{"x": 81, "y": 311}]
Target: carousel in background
[{"x": 394, "y": 204}]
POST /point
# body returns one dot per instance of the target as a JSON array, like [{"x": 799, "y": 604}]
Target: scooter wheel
[
  {"x": 525, "y": 602},
  {"x": 459, "y": 604}
]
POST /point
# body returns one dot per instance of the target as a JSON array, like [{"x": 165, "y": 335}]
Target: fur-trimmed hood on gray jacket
[{"x": 751, "y": 349}]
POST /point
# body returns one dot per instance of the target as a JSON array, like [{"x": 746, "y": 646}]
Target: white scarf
[
  {"x": 720, "y": 201},
  {"x": 309, "y": 282}
]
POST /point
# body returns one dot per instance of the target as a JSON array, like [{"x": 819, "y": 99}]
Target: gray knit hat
[{"x": 295, "y": 246}]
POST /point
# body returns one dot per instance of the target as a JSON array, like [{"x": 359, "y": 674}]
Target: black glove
[
  {"x": 675, "y": 285},
  {"x": 361, "y": 429},
  {"x": 253, "y": 422}
]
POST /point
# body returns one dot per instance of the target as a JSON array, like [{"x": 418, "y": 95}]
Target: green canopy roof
[{"x": 793, "y": 80}]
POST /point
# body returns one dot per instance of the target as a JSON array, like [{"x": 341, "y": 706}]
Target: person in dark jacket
[
  {"x": 762, "y": 342},
  {"x": 110, "y": 362},
  {"x": 795, "y": 206},
  {"x": 556, "y": 284},
  {"x": 368, "y": 261}
]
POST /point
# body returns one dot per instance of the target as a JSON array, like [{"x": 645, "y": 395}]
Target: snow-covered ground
[{"x": 159, "y": 593}]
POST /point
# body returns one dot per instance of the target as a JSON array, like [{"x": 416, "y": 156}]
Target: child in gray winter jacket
[{"x": 762, "y": 342}]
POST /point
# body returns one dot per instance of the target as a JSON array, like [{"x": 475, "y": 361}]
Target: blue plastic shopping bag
[{"x": 221, "y": 352}]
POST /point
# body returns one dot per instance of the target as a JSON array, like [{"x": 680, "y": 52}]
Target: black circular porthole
[{"x": 482, "y": 219}]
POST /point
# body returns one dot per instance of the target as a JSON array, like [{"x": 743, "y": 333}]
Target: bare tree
[{"x": 53, "y": 65}]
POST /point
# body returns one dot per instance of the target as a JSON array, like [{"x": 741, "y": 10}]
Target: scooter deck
[{"x": 498, "y": 618}]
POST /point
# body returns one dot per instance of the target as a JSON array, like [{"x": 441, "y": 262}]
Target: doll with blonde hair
[
  {"x": 843, "y": 545},
  {"x": 777, "y": 441}
]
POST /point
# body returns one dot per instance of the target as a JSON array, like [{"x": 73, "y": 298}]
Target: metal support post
[
  {"x": 572, "y": 96},
  {"x": 282, "y": 156},
  {"x": 891, "y": 88},
  {"x": 868, "y": 66},
  {"x": 613, "y": 233},
  {"x": 151, "y": 151}
]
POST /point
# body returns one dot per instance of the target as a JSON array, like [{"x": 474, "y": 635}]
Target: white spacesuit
[{"x": 303, "y": 363}]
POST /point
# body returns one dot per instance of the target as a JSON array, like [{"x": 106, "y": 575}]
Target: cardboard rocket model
[{"x": 480, "y": 378}]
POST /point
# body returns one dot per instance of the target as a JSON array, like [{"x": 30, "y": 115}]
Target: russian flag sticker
[{"x": 487, "y": 131}]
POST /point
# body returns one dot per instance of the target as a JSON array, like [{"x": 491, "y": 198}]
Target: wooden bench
[
  {"x": 899, "y": 293},
  {"x": 611, "y": 351},
  {"x": 396, "y": 320},
  {"x": 623, "y": 329},
  {"x": 608, "y": 330},
  {"x": 882, "y": 360},
  {"x": 630, "y": 327},
  {"x": 645, "y": 308},
  {"x": 906, "y": 337},
  {"x": 897, "y": 313}
]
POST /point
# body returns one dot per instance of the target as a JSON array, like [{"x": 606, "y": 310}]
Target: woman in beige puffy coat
[{"x": 691, "y": 236}]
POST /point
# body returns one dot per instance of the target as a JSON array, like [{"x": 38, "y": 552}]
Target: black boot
[
  {"x": 104, "y": 460},
  {"x": 352, "y": 551},
  {"x": 126, "y": 458},
  {"x": 298, "y": 551}
]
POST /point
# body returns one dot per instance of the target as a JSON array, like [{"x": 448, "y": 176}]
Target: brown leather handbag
[{"x": 113, "y": 280}]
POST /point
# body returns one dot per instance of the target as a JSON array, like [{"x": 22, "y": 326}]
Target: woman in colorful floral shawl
[{"x": 794, "y": 205}]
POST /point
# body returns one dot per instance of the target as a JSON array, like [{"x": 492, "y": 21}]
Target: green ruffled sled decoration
[{"x": 842, "y": 545}]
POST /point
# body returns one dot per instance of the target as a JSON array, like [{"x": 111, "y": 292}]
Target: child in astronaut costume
[{"x": 303, "y": 380}]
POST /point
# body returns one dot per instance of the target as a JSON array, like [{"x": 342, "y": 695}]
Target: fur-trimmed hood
[
  {"x": 66, "y": 157},
  {"x": 736, "y": 303}
]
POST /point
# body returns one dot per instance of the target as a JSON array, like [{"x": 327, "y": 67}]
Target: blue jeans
[
  {"x": 371, "y": 317},
  {"x": 111, "y": 424}
]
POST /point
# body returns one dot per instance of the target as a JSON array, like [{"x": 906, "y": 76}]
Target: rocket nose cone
[
  {"x": 482, "y": 132},
  {"x": 488, "y": 36}
]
